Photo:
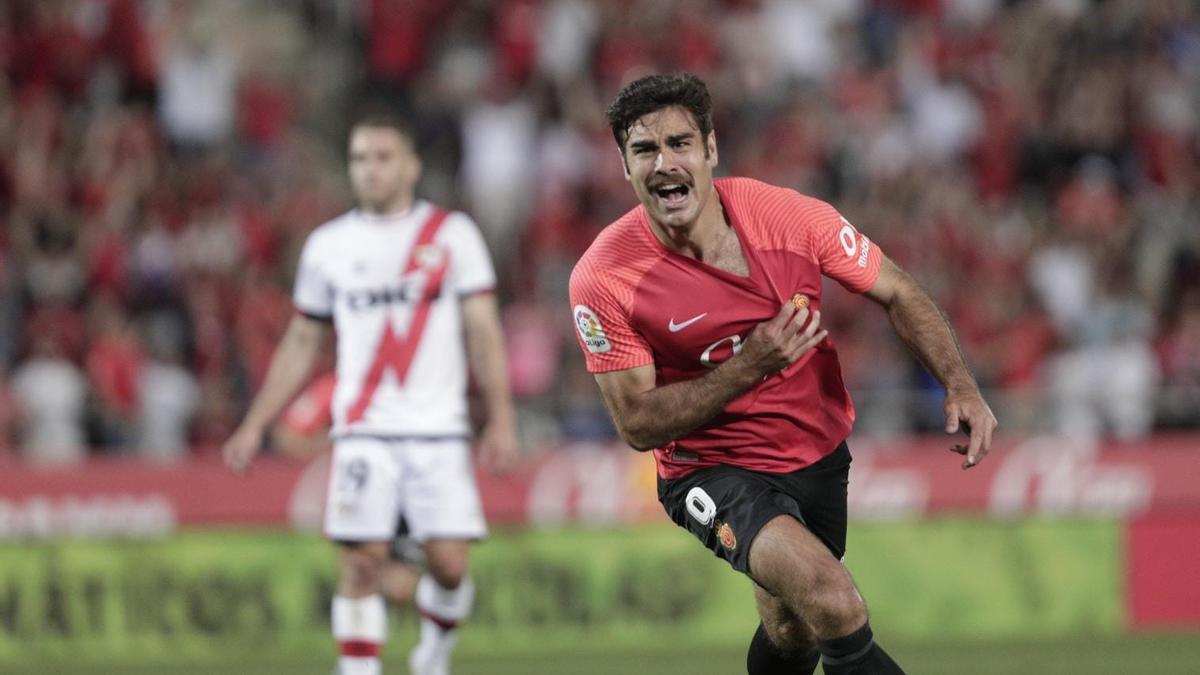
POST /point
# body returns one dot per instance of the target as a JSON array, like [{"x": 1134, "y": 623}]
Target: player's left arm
[
  {"x": 924, "y": 328},
  {"x": 485, "y": 350}
]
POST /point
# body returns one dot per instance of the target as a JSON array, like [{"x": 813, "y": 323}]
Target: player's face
[
  {"x": 384, "y": 168},
  {"x": 670, "y": 166}
]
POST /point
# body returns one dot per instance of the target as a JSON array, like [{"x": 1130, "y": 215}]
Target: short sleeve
[
  {"x": 602, "y": 327},
  {"x": 314, "y": 293},
  {"x": 471, "y": 268},
  {"x": 844, "y": 253}
]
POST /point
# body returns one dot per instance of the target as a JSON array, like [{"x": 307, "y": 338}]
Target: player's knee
[
  {"x": 398, "y": 583},
  {"x": 791, "y": 636},
  {"x": 837, "y": 607},
  {"x": 361, "y": 571},
  {"x": 448, "y": 572}
]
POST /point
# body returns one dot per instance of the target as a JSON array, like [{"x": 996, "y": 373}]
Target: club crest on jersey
[
  {"x": 429, "y": 256},
  {"x": 800, "y": 300},
  {"x": 588, "y": 325},
  {"x": 725, "y": 536}
]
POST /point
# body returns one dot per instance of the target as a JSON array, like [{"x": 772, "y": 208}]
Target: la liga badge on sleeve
[{"x": 588, "y": 325}]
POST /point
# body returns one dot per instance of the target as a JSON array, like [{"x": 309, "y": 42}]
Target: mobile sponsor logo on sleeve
[
  {"x": 588, "y": 325},
  {"x": 847, "y": 236}
]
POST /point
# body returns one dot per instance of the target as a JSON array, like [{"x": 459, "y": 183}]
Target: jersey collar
[{"x": 758, "y": 281}]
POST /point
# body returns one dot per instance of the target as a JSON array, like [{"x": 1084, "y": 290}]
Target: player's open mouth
[{"x": 672, "y": 194}]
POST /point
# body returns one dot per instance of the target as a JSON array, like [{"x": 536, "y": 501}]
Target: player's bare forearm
[
  {"x": 291, "y": 366},
  {"x": 485, "y": 351},
  {"x": 649, "y": 416},
  {"x": 923, "y": 328},
  {"x": 659, "y": 415}
]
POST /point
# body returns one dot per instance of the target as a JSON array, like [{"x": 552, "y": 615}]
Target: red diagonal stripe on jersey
[{"x": 397, "y": 352}]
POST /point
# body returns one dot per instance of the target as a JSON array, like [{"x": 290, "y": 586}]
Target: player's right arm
[
  {"x": 290, "y": 368},
  {"x": 649, "y": 416}
]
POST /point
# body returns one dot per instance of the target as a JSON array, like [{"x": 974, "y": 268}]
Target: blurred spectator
[
  {"x": 8, "y": 416},
  {"x": 216, "y": 416},
  {"x": 153, "y": 258},
  {"x": 802, "y": 36},
  {"x": 168, "y": 394},
  {"x": 51, "y": 395},
  {"x": 1105, "y": 383},
  {"x": 534, "y": 344},
  {"x": 261, "y": 320},
  {"x": 566, "y": 34},
  {"x": 197, "y": 85},
  {"x": 114, "y": 367},
  {"x": 398, "y": 37},
  {"x": 211, "y": 243},
  {"x": 53, "y": 273},
  {"x": 9, "y": 318},
  {"x": 498, "y": 171},
  {"x": 1179, "y": 352},
  {"x": 583, "y": 415}
]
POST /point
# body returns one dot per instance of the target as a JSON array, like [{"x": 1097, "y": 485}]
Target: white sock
[
  {"x": 442, "y": 610},
  {"x": 360, "y": 628}
]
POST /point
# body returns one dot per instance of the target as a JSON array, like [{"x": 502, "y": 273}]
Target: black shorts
[{"x": 726, "y": 506}]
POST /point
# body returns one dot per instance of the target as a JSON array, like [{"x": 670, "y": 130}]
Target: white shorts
[{"x": 375, "y": 481}]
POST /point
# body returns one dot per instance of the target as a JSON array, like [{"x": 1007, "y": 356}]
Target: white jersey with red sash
[{"x": 392, "y": 287}]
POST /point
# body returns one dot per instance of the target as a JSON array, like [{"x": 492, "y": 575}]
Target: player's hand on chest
[{"x": 697, "y": 325}]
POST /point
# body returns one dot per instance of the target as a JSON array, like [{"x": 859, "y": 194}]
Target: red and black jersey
[{"x": 637, "y": 303}]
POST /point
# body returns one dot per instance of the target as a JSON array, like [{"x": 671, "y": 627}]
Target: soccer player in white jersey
[{"x": 408, "y": 289}]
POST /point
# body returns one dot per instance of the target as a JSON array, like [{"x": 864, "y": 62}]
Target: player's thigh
[
  {"x": 364, "y": 493},
  {"x": 725, "y": 507},
  {"x": 441, "y": 500},
  {"x": 794, "y": 565},
  {"x": 820, "y": 491}
]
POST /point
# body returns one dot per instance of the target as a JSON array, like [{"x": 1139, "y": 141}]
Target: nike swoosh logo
[{"x": 676, "y": 327}]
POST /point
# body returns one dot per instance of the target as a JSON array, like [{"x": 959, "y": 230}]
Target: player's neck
[
  {"x": 396, "y": 207},
  {"x": 702, "y": 239}
]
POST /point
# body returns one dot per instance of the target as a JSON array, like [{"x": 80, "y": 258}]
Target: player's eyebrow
[
  {"x": 675, "y": 138},
  {"x": 642, "y": 145}
]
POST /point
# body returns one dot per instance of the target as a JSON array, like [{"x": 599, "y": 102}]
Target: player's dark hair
[
  {"x": 386, "y": 119},
  {"x": 655, "y": 92}
]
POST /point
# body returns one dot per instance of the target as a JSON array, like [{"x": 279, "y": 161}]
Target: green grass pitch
[{"x": 1167, "y": 654}]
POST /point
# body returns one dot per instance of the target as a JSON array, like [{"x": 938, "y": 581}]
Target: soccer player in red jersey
[{"x": 699, "y": 314}]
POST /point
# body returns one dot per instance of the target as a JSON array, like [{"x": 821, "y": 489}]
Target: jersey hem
[
  {"x": 476, "y": 291},
  {"x": 315, "y": 316},
  {"x": 678, "y": 470},
  {"x": 389, "y": 436}
]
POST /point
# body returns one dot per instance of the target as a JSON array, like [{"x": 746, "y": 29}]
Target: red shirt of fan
[{"x": 638, "y": 303}]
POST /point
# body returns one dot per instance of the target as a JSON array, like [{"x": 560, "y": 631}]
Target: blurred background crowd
[{"x": 1032, "y": 163}]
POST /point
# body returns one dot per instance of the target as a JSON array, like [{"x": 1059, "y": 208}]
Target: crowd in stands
[{"x": 1032, "y": 163}]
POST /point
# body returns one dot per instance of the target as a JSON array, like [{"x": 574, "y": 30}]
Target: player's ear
[
  {"x": 710, "y": 148},
  {"x": 415, "y": 168},
  {"x": 624, "y": 164}
]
